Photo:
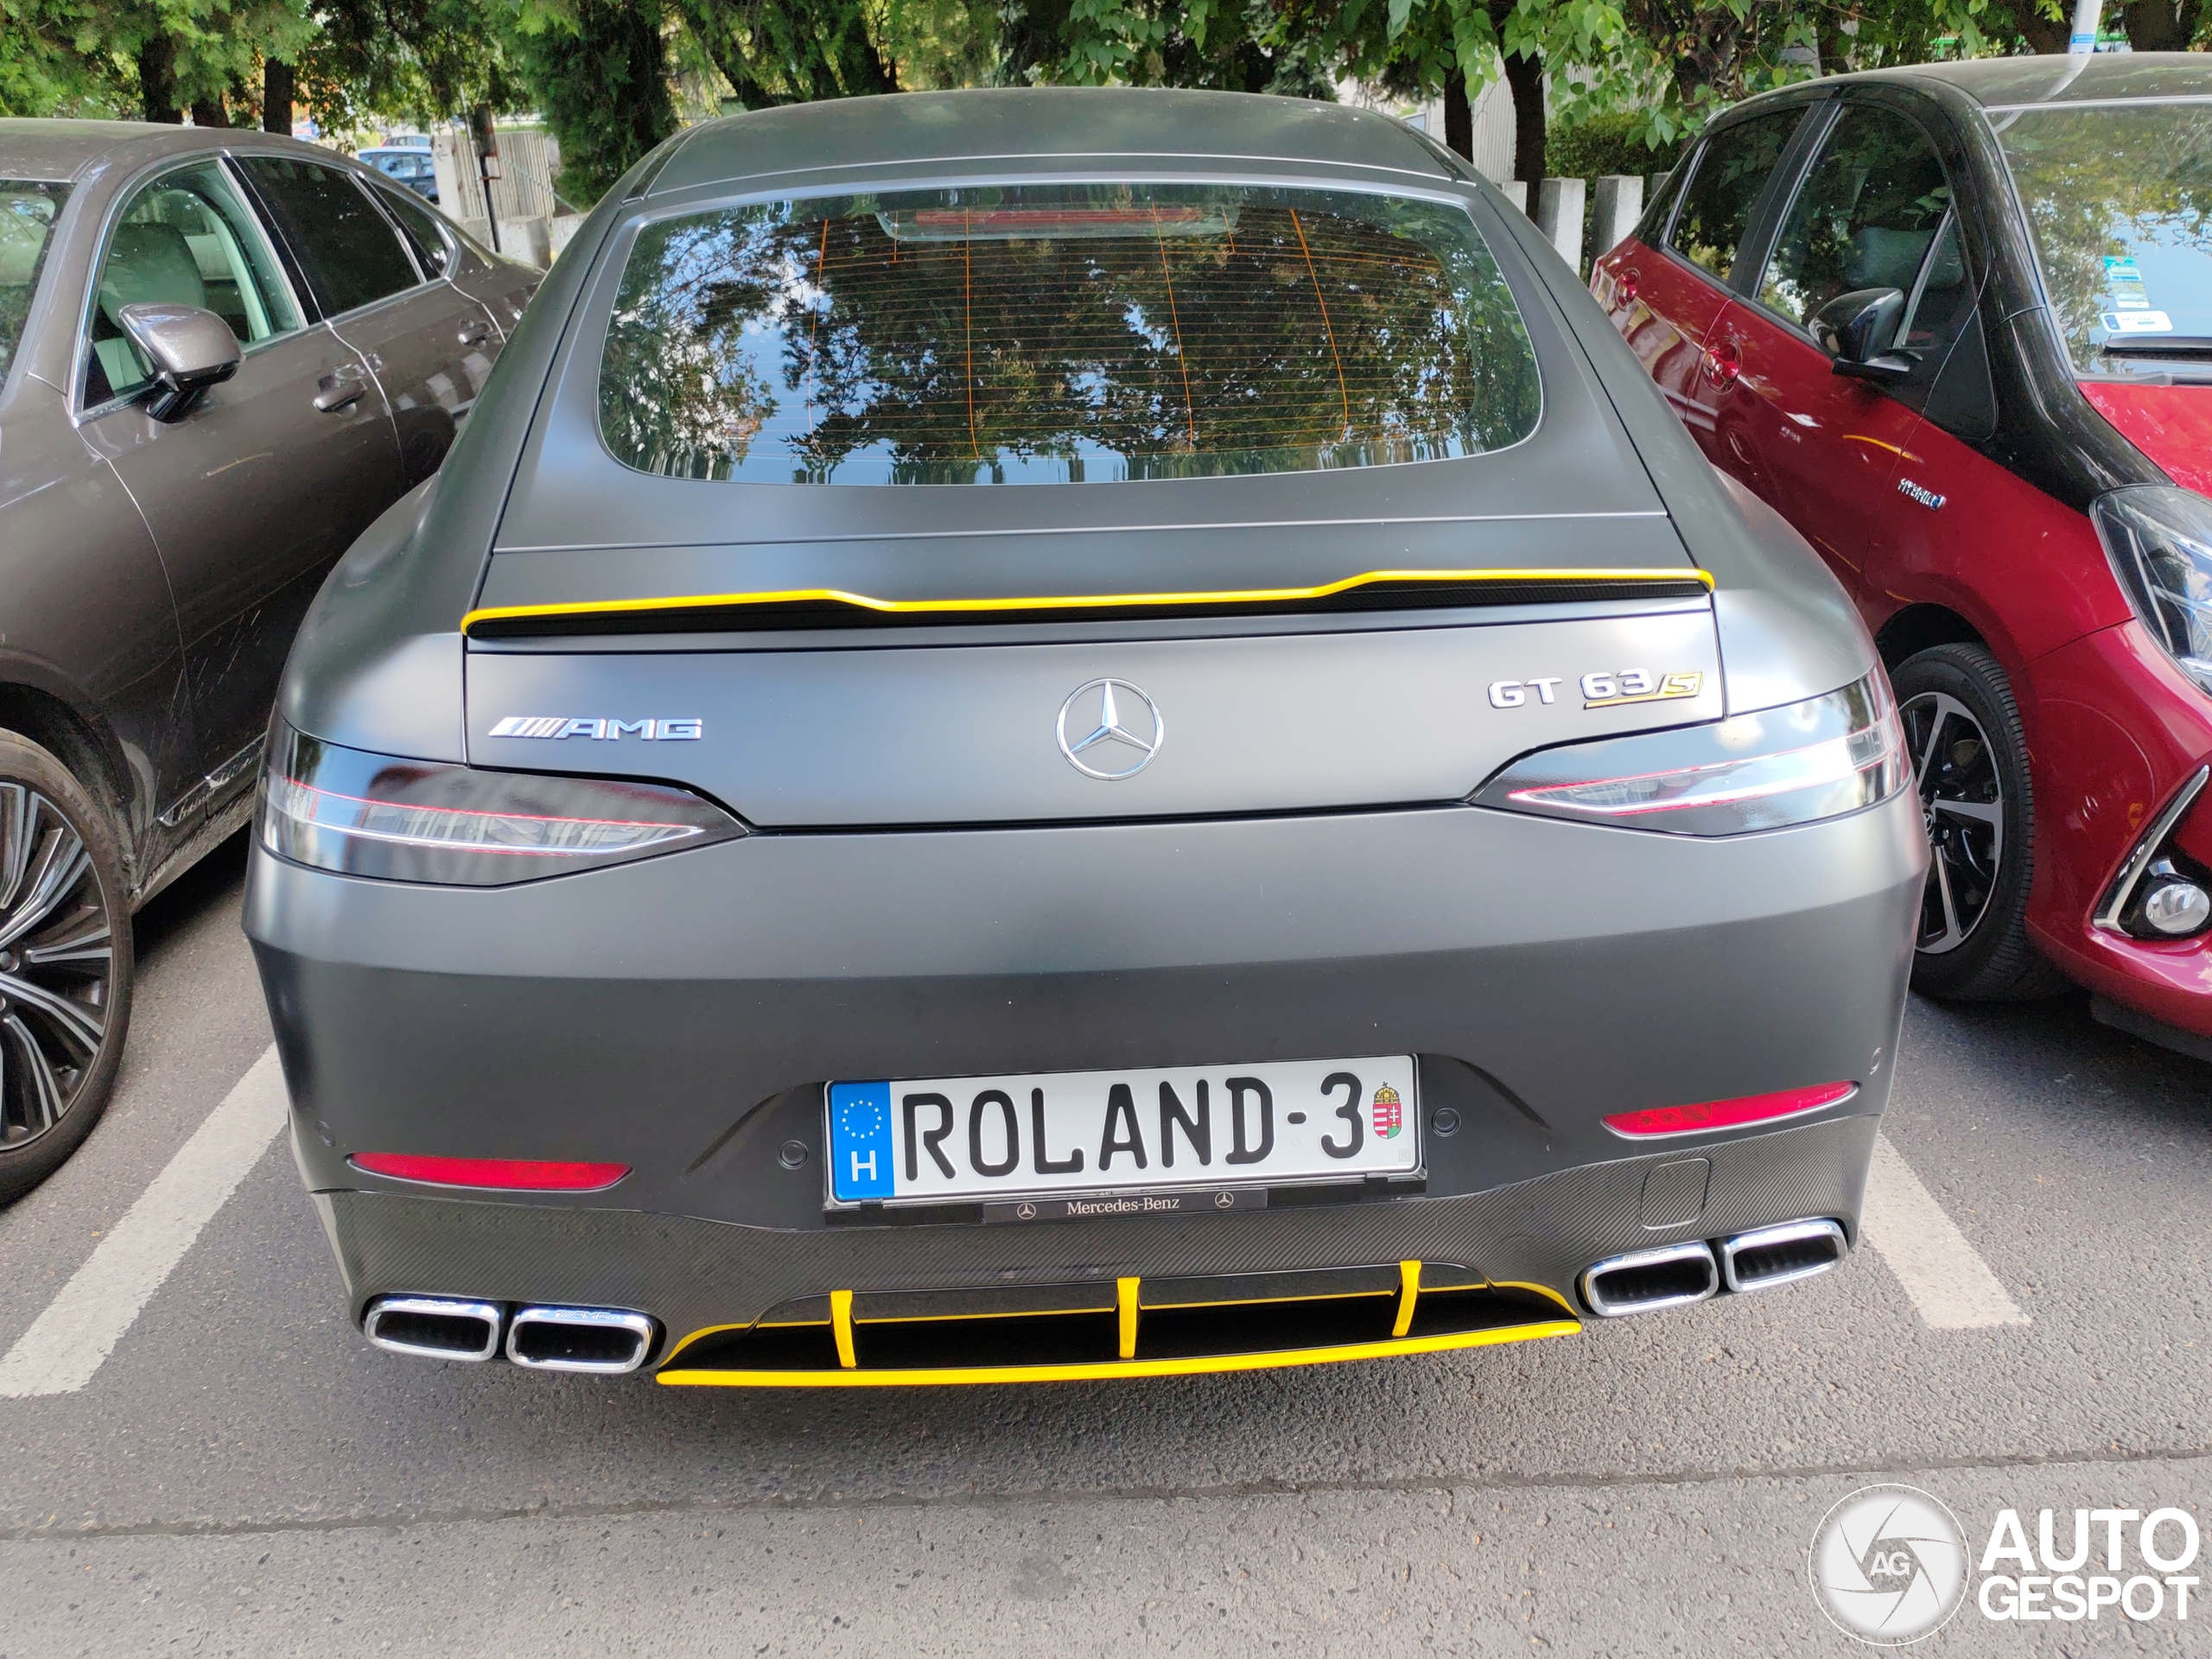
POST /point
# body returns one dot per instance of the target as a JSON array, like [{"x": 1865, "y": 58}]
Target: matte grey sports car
[{"x": 1034, "y": 736}]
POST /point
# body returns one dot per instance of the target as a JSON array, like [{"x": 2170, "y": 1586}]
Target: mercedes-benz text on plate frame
[
  {"x": 1121, "y": 729},
  {"x": 931, "y": 1140}
]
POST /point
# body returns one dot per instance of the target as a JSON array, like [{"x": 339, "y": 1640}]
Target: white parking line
[
  {"x": 81, "y": 1326},
  {"x": 1949, "y": 1283}
]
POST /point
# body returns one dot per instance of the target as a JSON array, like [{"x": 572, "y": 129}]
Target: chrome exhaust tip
[
  {"x": 601, "y": 1341},
  {"x": 1781, "y": 1256},
  {"x": 434, "y": 1327},
  {"x": 1643, "y": 1281}
]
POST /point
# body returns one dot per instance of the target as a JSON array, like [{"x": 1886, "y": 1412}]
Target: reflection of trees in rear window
[
  {"x": 27, "y": 216},
  {"x": 2121, "y": 201},
  {"x": 1045, "y": 336}
]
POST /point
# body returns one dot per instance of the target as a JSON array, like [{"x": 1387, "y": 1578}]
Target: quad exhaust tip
[
  {"x": 1781, "y": 1256},
  {"x": 1643, "y": 1281},
  {"x": 1676, "y": 1275},
  {"x": 434, "y": 1327},
  {"x": 600, "y": 1341}
]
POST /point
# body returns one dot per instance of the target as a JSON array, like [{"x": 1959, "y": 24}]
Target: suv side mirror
[
  {"x": 191, "y": 349},
  {"x": 1857, "y": 329}
]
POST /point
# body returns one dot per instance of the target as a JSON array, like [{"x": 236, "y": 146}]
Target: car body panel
[
  {"x": 966, "y": 734},
  {"x": 776, "y": 963},
  {"x": 223, "y": 489},
  {"x": 118, "y": 664},
  {"x": 429, "y": 351},
  {"x": 2170, "y": 424}
]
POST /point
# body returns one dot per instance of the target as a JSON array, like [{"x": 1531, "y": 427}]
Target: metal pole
[
  {"x": 485, "y": 143},
  {"x": 2084, "y": 37}
]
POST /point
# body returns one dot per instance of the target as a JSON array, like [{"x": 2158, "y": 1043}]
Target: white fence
[
  {"x": 524, "y": 217},
  {"x": 1567, "y": 210}
]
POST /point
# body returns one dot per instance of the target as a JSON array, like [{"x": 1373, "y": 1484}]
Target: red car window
[
  {"x": 1731, "y": 170},
  {"x": 1866, "y": 216}
]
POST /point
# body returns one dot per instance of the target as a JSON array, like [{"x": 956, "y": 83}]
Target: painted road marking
[
  {"x": 1950, "y": 1285},
  {"x": 81, "y": 1326}
]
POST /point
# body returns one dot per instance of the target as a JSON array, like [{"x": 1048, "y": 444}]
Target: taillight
[
  {"x": 399, "y": 820},
  {"x": 1818, "y": 758},
  {"x": 513, "y": 1174},
  {"x": 1728, "y": 1114}
]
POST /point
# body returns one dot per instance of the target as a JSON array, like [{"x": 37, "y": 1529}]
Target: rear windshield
[
  {"x": 1026, "y": 334},
  {"x": 2119, "y": 196},
  {"x": 27, "y": 214}
]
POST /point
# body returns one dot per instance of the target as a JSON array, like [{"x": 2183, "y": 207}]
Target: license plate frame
[{"x": 976, "y": 1139}]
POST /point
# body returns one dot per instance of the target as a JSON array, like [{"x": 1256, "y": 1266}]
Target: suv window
[
  {"x": 28, "y": 210},
  {"x": 186, "y": 237},
  {"x": 1020, "y": 334},
  {"x": 347, "y": 250},
  {"x": 433, "y": 250},
  {"x": 1731, "y": 171},
  {"x": 1866, "y": 216}
]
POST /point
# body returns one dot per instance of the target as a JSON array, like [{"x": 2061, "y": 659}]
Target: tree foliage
[{"x": 601, "y": 70}]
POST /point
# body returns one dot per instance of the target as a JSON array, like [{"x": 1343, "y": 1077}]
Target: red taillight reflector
[
  {"x": 517, "y": 1174},
  {"x": 1727, "y": 1114}
]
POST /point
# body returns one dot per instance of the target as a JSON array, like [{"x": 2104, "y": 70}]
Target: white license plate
[{"x": 929, "y": 1139}]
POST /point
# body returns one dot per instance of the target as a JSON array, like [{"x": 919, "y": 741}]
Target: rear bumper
[
  {"x": 700, "y": 1278},
  {"x": 681, "y": 1016}
]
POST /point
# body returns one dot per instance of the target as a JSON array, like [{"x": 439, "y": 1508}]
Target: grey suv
[{"x": 223, "y": 354}]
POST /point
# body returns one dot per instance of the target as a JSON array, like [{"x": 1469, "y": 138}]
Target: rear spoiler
[{"x": 827, "y": 607}]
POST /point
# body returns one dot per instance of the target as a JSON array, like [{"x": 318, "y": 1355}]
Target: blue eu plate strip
[{"x": 860, "y": 1141}]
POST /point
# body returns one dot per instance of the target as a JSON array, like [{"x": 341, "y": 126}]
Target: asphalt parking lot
[{"x": 241, "y": 1474}]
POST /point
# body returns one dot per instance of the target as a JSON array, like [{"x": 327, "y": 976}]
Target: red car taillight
[
  {"x": 514, "y": 1174},
  {"x": 1728, "y": 1114}
]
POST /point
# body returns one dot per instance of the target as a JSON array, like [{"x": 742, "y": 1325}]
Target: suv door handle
[
  {"x": 474, "y": 333},
  {"x": 340, "y": 388}
]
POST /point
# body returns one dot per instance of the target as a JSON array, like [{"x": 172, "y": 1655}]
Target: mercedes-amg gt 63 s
[{"x": 1035, "y": 736}]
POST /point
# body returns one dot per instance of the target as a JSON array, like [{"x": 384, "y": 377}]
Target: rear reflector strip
[
  {"x": 514, "y": 1174},
  {"x": 1728, "y": 1114}
]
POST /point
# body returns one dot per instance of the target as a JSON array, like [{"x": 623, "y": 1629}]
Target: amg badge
[{"x": 604, "y": 730}]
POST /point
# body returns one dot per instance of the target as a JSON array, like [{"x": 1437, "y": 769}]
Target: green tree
[{"x": 597, "y": 71}]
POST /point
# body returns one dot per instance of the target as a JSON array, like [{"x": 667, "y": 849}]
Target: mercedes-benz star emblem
[{"x": 1119, "y": 724}]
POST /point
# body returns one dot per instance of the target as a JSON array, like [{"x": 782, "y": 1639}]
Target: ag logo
[{"x": 1887, "y": 1564}]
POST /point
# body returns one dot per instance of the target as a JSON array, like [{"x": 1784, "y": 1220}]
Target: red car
[{"x": 1955, "y": 323}]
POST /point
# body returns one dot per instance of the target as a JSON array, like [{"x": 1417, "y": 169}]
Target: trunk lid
[{"x": 839, "y": 716}]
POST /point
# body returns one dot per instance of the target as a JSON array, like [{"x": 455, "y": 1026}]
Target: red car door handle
[{"x": 1724, "y": 362}]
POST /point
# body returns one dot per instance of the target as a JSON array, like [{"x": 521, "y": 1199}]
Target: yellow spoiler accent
[
  {"x": 1094, "y": 1371},
  {"x": 1059, "y": 601},
  {"x": 1408, "y": 1293}
]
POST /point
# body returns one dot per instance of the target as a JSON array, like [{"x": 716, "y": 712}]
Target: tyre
[
  {"x": 1970, "y": 763},
  {"x": 66, "y": 967}
]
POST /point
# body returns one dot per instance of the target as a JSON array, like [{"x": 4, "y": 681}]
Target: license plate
[{"x": 931, "y": 1140}]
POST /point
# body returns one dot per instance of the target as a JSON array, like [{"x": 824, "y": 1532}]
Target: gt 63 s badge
[{"x": 1601, "y": 690}]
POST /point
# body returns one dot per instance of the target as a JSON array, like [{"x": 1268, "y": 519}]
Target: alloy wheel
[
  {"x": 56, "y": 964},
  {"x": 1962, "y": 803}
]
